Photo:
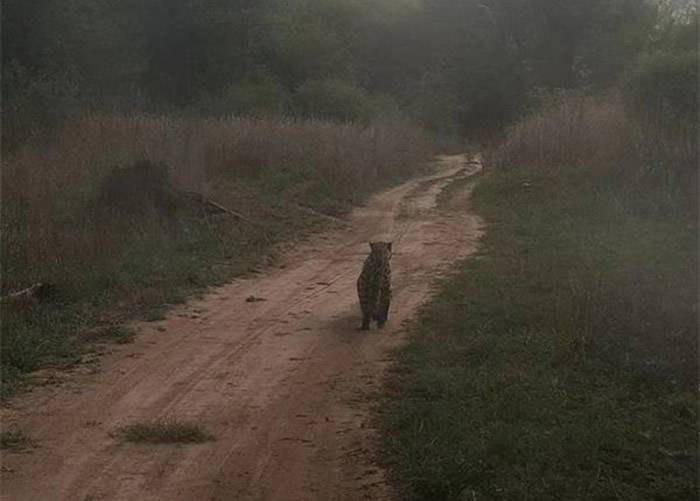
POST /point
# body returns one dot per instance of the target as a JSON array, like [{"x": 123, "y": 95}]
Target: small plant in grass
[
  {"x": 165, "y": 432},
  {"x": 15, "y": 440}
]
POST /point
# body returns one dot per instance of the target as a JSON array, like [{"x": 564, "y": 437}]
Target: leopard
[{"x": 374, "y": 285}]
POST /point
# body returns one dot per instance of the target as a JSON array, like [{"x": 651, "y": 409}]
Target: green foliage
[
  {"x": 332, "y": 99},
  {"x": 195, "y": 48},
  {"x": 607, "y": 36},
  {"x": 248, "y": 98},
  {"x": 312, "y": 39},
  {"x": 664, "y": 87},
  {"x": 457, "y": 65},
  {"x": 676, "y": 25},
  {"x": 34, "y": 104}
]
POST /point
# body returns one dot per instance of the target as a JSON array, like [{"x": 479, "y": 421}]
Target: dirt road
[{"x": 282, "y": 383}]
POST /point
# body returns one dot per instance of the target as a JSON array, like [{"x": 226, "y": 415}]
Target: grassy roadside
[
  {"x": 561, "y": 361},
  {"x": 158, "y": 269},
  {"x": 83, "y": 213}
]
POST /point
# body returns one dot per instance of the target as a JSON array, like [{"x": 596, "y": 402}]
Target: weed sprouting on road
[
  {"x": 15, "y": 440},
  {"x": 561, "y": 361},
  {"x": 166, "y": 431}
]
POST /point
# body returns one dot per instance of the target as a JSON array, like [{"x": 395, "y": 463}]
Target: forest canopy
[{"x": 455, "y": 65}]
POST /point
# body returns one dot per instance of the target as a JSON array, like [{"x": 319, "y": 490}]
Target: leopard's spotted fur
[{"x": 374, "y": 285}]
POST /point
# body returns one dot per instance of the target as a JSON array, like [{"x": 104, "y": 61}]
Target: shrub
[
  {"x": 255, "y": 97},
  {"x": 34, "y": 104},
  {"x": 14, "y": 439},
  {"x": 663, "y": 87},
  {"x": 332, "y": 100}
]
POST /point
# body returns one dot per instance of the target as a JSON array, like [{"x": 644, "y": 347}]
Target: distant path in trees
[{"x": 272, "y": 366}]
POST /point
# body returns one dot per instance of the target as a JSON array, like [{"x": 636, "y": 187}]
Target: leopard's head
[{"x": 381, "y": 250}]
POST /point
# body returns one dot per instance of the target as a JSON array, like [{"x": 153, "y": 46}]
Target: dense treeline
[{"x": 455, "y": 65}]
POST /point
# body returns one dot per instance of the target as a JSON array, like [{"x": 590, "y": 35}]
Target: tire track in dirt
[{"x": 284, "y": 384}]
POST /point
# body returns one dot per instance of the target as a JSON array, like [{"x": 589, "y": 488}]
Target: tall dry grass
[
  {"x": 625, "y": 265},
  {"x": 599, "y": 131},
  {"x": 49, "y": 219},
  {"x": 569, "y": 132}
]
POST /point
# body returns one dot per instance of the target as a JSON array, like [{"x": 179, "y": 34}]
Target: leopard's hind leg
[
  {"x": 363, "y": 295},
  {"x": 383, "y": 309},
  {"x": 365, "y": 322}
]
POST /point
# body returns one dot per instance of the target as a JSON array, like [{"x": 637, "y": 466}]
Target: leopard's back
[{"x": 374, "y": 285}]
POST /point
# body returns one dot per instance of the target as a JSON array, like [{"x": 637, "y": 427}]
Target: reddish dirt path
[{"x": 283, "y": 384}]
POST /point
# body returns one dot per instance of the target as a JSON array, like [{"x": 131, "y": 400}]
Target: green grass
[
  {"x": 14, "y": 440},
  {"x": 165, "y": 432},
  {"x": 560, "y": 362}
]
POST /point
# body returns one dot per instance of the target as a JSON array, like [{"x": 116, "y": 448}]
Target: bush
[
  {"x": 332, "y": 100},
  {"x": 663, "y": 87},
  {"x": 34, "y": 104},
  {"x": 255, "y": 97}
]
